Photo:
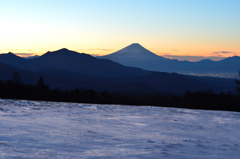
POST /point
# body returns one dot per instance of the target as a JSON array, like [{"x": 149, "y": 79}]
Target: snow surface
[{"x": 31, "y": 129}]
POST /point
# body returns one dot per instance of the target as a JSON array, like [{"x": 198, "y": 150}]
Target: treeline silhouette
[{"x": 16, "y": 89}]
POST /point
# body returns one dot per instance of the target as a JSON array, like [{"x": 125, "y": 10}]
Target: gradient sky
[{"x": 171, "y": 28}]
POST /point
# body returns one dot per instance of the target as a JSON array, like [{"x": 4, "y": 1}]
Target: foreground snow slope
[{"x": 30, "y": 129}]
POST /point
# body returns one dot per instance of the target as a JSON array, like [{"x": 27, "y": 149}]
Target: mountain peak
[
  {"x": 135, "y": 44},
  {"x": 65, "y": 54},
  {"x": 60, "y": 52},
  {"x": 232, "y": 59},
  {"x": 63, "y": 49},
  {"x": 10, "y": 53},
  {"x": 135, "y": 50}
]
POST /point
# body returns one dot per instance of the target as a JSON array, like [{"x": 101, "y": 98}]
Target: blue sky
[{"x": 169, "y": 27}]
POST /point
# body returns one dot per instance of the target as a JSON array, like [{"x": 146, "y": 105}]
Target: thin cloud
[
  {"x": 175, "y": 50},
  {"x": 95, "y": 55},
  {"x": 163, "y": 53},
  {"x": 80, "y": 50},
  {"x": 13, "y": 49},
  {"x": 193, "y": 58},
  {"x": 85, "y": 50},
  {"x": 223, "y": 52},
  {"x": 25, "y": 54},
  {"x": 105, "y": 49},
  {"x": 23, "y": 50}
]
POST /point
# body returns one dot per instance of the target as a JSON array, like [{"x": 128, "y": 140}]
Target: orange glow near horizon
[
  {"x": 167, "y": 28},
  {"x": 173, "y": 53}
]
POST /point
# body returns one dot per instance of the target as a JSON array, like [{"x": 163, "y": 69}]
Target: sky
[{"x": 179, "y": 29}]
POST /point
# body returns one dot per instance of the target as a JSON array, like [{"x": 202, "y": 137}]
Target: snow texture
[{"x": 31, "y": 129}]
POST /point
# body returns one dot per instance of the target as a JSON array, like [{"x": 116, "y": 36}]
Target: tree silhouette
[
  {"x": 17, "y": 79},
  {"x": 41, "y": 85},
  {"x": 237, "y": 83}
]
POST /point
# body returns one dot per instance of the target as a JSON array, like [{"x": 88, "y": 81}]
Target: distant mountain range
[
  {"x": 135, "y": 55},
  {"x": 32, "y": 57},
  {"x": 68, "y": 69},
  {"x": 72, "y": 61}
]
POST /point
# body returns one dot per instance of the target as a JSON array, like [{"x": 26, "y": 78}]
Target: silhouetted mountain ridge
[
  {"x": 69, "y": 69},
  {"x": 235, "y": 59},
  {"x": 75, "y": 62},
  {"x": 69, "y": 80},
  {"x": 150, "y": 61}
]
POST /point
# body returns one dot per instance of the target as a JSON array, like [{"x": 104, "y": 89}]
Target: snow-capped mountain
[
  {"x": 135, "y": 55},
  {"x": 134, "y": 50}
]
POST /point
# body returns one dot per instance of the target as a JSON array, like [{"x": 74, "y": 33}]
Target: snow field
[{"x": 31, "y": 129}]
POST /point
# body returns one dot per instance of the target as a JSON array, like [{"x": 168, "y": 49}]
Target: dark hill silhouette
[
  {"x": 13, "y": 60},
  {"x": 133, "y": 55},
  {"x": 164, "y": 82},
  {"x": 155, "y": 82},
  {"x": 86, "y": 64},
  {"x": 178, "y": 85},
  {"x": 71, "y": 80},
  {"x": 75, "y": 62},
  {"x": 234, "y": 59},
  {"x": 62, "y": 73},
  {"x": 68, "y": 69}
]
